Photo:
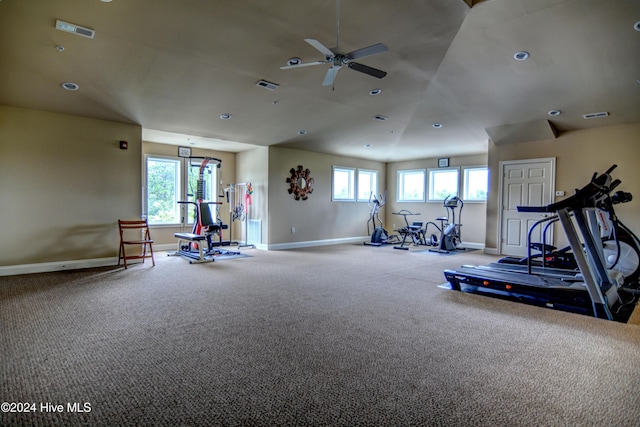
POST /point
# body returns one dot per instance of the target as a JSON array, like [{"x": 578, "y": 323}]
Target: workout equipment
[
  {"x": 239, "y": 197},
  {"x": 190, "y": 245},
  {"x": 592, "y": 289},
  {"x": 379, "y": 235},
  {"x": 412, "y": 231},
  {"x": 450, "y": 230}
]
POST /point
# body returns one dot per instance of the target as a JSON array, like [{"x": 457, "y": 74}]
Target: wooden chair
[{"x": 135, "y": 233}]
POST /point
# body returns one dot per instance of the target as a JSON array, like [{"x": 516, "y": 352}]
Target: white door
[{"x": 524, "y": 183}]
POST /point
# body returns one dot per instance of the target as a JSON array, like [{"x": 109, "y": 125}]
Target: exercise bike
[{"x": 450, "y": 233}]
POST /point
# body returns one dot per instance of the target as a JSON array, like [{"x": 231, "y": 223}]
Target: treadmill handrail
[{"x": 586, "y": 197}]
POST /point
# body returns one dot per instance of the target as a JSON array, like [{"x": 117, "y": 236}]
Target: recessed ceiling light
[
  {"x": 70, "y": 86},
  {"x": 60, "y": 48},
  {"x": 554, "y": 112},
  {"x": 225, "y": 116},
  {"x": 294, "y": 61},
  {"x": 521, "y": 56},
  {"x": 437, "y": 125},
  {"x": 380, "y": 117},
  {"x": 374, "y": 92},
  {"x": 302, "y": 132},
  {"x": 636, "y": 26},
  {"x": 367, "y": 145}
]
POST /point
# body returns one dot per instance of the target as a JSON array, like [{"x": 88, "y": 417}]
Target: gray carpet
[{"x": 339, "y": 335}]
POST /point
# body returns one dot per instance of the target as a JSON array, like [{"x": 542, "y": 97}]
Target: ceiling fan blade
[
  {"x": 331, "y": 75},
  {"x": 367, "y": 70},
  {"x": 305, "y": 64},
  {"x": 366, "y": 51},
  {"x": 322, "y": 48}
]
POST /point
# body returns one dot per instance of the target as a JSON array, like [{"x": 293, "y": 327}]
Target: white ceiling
[{"x": 175, "y": 66}]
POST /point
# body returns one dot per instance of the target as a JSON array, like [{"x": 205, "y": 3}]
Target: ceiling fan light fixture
[
  {"x": 521, "y": 56},
  {"x": 225, "y": 116},
  {"x": 554, "y": 113}
]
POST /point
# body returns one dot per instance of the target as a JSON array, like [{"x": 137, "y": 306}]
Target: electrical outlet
[{"x": 560, "y": 193}]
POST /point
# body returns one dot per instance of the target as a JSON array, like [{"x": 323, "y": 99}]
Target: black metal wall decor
[{"x": 300, "y": 183}]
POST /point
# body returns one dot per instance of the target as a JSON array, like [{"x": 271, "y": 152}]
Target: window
[
  {"x": 367, "y": 184},
  {"x": 170, "y": 180},
  {"x": 443, "y": 183},
  {"x": 163, "y": 190},
  {"x": 411, "y": 185},
  {"x": 476, "y": 181},
  {"x": 343, "y": 184}
]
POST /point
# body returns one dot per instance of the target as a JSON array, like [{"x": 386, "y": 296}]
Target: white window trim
[
  {"x": 145, "y": 186},
  {"x": 464, "y": 183},
  {"x": 398, "y": 189},
  {"x": 429, "y": 188},
  {"x": 354, "y": 175},
  {"x": 371, "y": 171}
]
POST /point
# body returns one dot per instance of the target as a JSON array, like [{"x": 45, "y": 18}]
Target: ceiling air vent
[
  {"x": 267, "y": 85},
  {"x": 75, "y": 29},
  {"x": 595, "y": 115}
]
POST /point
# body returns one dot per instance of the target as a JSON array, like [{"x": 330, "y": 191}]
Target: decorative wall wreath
[{"x": 300, "y": 183}]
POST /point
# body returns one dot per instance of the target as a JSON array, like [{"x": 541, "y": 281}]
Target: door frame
[{"x": 501, "y": 201}]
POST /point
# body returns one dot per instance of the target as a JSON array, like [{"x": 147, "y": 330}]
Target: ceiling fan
[{"x": 337, "y": 59}]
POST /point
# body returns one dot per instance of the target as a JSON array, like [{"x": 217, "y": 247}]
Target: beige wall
[
  {"x": 64, "y": 182},
  {"x": 473, "y": 213},
  {"x": 318, "y": 218},
  {"x": 163, "y": 235},
  {"x": 579, "y": 154}
]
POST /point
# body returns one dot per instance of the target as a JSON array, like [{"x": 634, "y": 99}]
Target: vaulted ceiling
[{"x": 175, "y": 67}]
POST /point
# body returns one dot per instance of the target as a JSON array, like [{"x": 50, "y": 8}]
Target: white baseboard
[
  {"x": 310, "y": 243},
  {"x": 491, "y": 251},
  {"x": 46, "y": 267}
]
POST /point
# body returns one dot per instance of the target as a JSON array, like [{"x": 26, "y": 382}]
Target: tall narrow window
[
  {"x": 476, "y": 181},
  {"x": 443, "y": 183},
  {"x": 367, "y": 184},
  {"x": 163, "y": 190},
  {"x": 343, "y": 184},
  {"x": 411, "y": 185}
]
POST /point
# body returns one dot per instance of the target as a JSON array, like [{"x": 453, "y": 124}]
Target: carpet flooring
[{"x": 326, "y": 336}]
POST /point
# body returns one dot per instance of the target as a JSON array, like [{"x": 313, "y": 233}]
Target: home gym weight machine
[{"x": 191, "y": 245}]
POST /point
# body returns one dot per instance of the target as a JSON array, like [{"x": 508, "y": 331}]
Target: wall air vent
[
  {"x": 75, "y": 29},
  {"x": 595, "y": 115},
  {"x": 267, "y": 85}
]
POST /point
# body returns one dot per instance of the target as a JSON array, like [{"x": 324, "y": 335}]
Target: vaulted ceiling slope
[{"x": 177, "y": 66}]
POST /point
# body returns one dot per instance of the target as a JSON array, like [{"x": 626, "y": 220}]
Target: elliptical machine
[
  {"x": 450, "y": 233},
  {"x": 379, "y": 236}
]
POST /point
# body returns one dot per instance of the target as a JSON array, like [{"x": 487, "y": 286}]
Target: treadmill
[{"x": 590, "y": 290}]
